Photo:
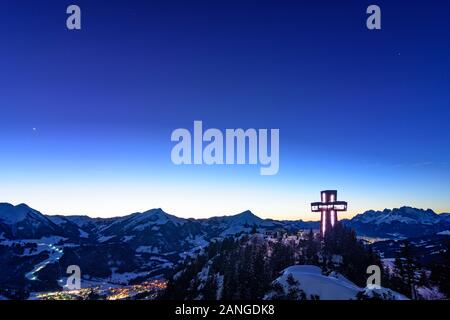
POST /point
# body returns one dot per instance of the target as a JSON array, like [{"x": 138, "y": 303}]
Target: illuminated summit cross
[{"x": 328, "y": 207}]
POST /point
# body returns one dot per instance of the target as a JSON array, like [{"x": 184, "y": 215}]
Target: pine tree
[
  {"x": 406, "y": 268},
  {"x": 341, "y": 242},
  {"x": 291, "y": 280},
  {"x": 440, "y": 272},
  {"x": 209, "y": 291},
  {"x": 311, "y": 249}
]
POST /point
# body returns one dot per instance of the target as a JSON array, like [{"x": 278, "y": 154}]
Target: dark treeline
[
  {"x": 409, "y": 273},
  {"x": 440, "y": 271}
]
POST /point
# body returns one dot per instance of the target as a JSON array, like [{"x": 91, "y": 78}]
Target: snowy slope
[
  {"x": 313, "y": 283},
  {"x": 80, "y": 221}
]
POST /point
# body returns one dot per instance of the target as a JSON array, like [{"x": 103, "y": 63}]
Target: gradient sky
[{"x": 86, "y": 116}]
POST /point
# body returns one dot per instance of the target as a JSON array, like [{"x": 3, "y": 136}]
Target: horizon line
[{"x": 210, "y": 217}]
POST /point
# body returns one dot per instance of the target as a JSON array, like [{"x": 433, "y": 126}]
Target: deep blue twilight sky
[{"x": 86, "y": 116}]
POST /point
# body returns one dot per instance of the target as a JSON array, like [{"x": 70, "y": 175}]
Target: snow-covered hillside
[{"x": 315, "y": 285}]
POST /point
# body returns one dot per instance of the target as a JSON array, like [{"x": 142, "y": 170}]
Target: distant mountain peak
[
  {"x": 153, "y": 211},
  {"x": 21, "y": 221},
  {"x": 244, "y": 218},
  {"x": 23, "y": 205},
  {"x": 12, "y": 214},
  {"x": 247, "y": 213},
  {"x": 153, "y": 216},
  {"x": 157, "y": 212}
]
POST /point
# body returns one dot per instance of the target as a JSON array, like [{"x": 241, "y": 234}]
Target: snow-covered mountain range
[
  {"x": 142, "y": 244},
  {"x": 39, "y": 247},
  {"x": 156, "y": 227},
  {"x": 404, "y": 222},
  {"x": 23, "y": 222}
]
